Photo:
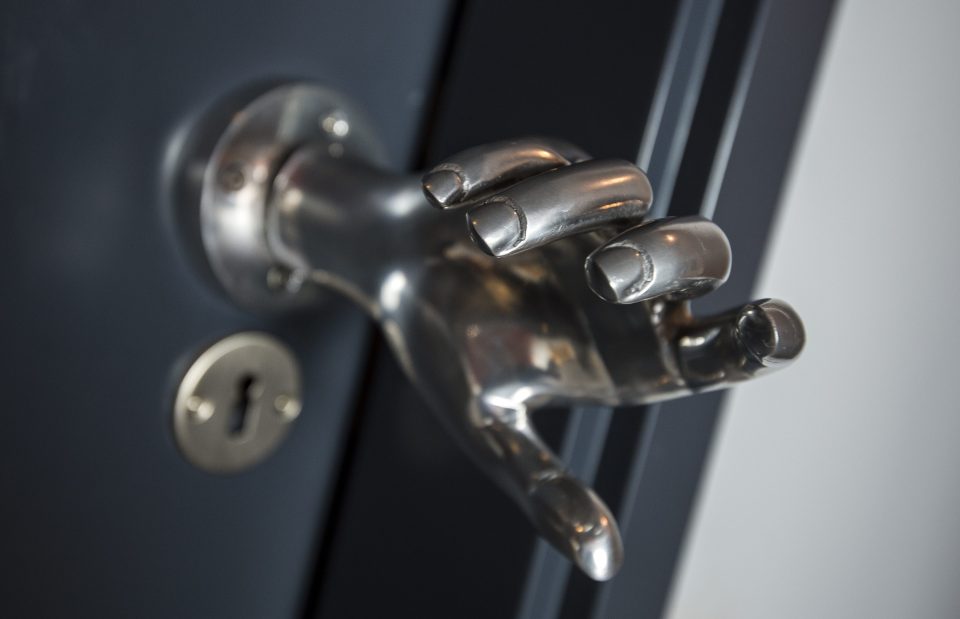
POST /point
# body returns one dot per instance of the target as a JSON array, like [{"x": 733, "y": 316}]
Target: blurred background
[{"x": 833, "y": 488}]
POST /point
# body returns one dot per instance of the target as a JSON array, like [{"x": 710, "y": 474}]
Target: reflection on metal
[
  {"x": 552, "y": 292},
  {"x": 237, "y": 181},
  {"x": 236, "y": 402}
]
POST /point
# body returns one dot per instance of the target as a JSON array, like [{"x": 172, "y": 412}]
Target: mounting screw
[
  {"x": 277, "y": 278},
  {"x": 232, "y": 177},
  {"x": 282, "y": 279},
  {"x": 200, "y": 410},
  {"x": 287, "y": 406},
  {"x": 335, "y": 123}
]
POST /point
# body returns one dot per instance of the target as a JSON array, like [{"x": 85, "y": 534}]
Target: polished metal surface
[
  {"x": 676, "y": 258},
  {"x": 237, "y": 180},
  {"x": 237, "y": 402},
  {"x": 553, "y": 293}
]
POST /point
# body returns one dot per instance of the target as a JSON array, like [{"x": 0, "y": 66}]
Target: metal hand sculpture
[{"x": 554, "y": 293}]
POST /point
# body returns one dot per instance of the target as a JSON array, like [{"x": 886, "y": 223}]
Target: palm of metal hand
[{"x": 492, "y": 327}]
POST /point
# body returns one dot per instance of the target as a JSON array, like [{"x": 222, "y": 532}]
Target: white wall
[{"x": 834, "y": 489}]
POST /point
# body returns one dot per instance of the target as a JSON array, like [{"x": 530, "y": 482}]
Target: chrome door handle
[{"x": 555, "y": 292}]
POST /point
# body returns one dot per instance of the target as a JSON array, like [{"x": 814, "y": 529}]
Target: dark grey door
[
  {"x": 367, "y": 509},
  {"x": 101, "y": 515}
]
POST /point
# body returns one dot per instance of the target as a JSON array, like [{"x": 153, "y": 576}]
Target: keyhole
[{"x": 241, "y": 410}]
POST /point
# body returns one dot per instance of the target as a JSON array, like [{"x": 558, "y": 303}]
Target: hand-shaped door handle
[{"x": 555, "y": 292}]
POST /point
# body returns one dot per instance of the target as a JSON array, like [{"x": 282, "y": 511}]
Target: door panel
[
  {"x": 102, "y": 309},
  {"x": 368, "y": 507}
]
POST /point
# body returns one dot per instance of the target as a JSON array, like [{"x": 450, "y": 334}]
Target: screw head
[
  {"x": 282, "y": 279},
  {"x": 200, "y": 410},
  {"x": 288, "y": 407},
  {"x": 335, "y": 123},
  {"x": 277, "y": 278},
  {"x": 232, "y": 177}
]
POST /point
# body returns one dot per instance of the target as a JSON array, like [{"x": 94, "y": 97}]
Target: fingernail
[
  {"x": 443, "y": 187},
  {"x": 619, "y": 274},
  {"x": 771, "y": 331},
  {"x": 495, "y": 227}
]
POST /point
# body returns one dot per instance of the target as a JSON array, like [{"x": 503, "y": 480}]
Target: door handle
[{"x": 553, "y": 291}]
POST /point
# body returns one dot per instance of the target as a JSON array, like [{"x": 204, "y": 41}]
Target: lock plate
[{"x": 236, "y": 402}]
